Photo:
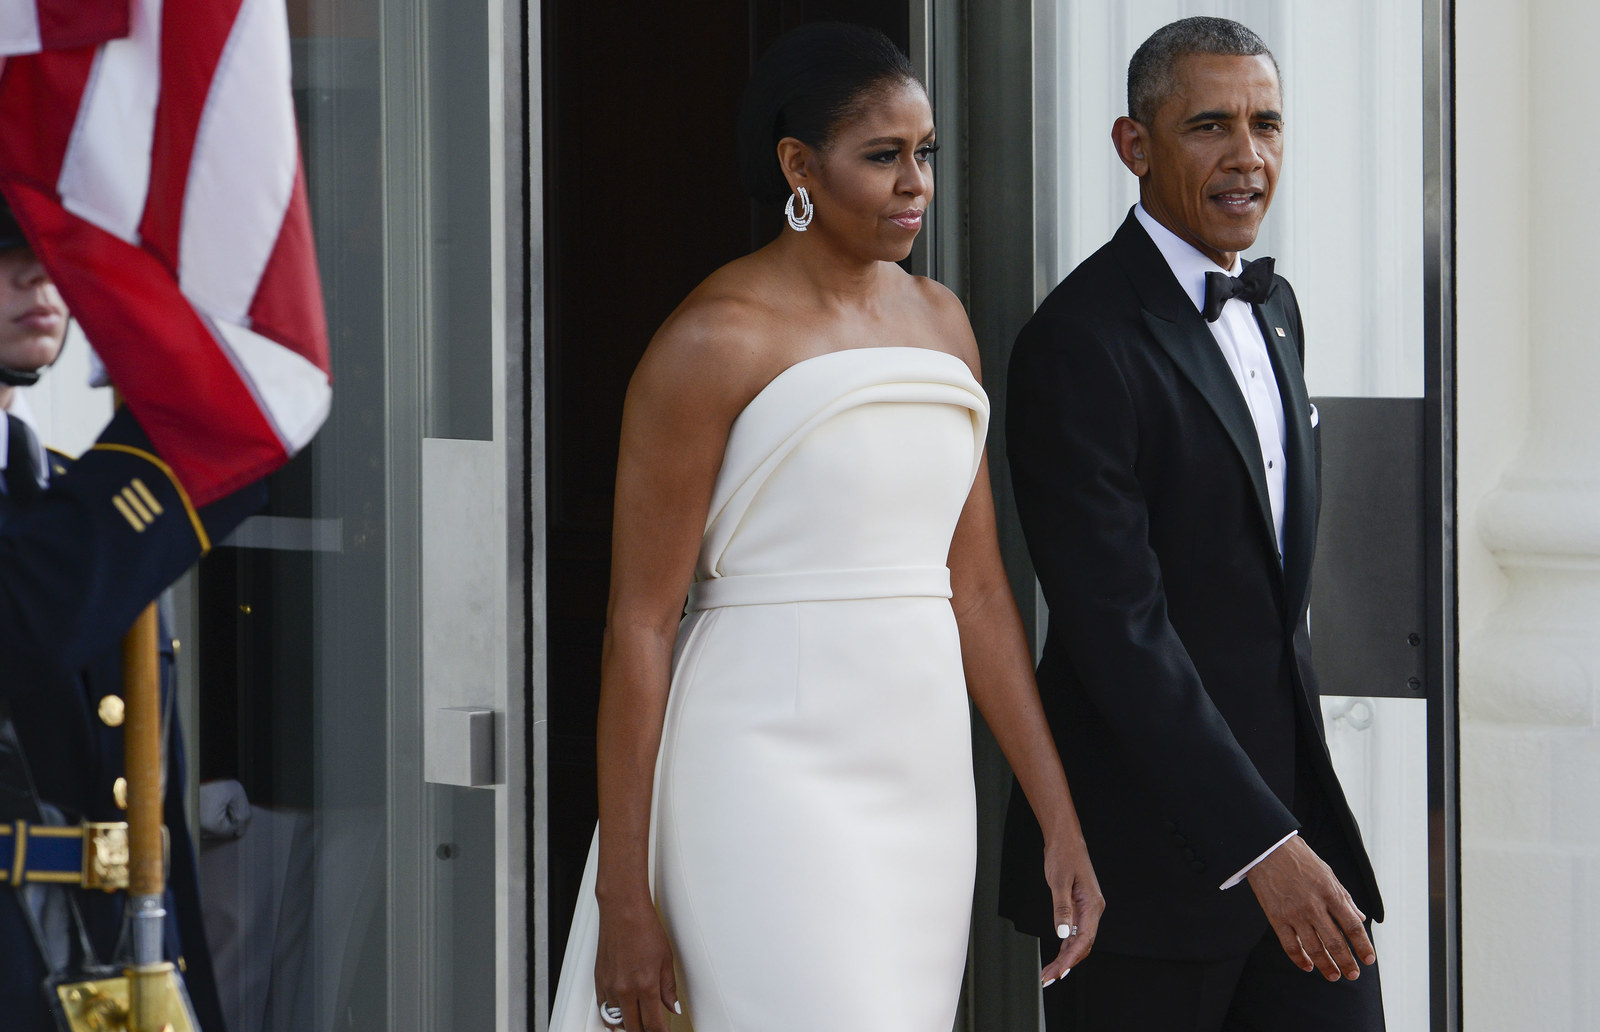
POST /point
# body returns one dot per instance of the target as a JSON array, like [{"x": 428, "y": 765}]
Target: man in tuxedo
[
  {"x": 1166, "y": 470},
  {"x": 84, "y": 546}
]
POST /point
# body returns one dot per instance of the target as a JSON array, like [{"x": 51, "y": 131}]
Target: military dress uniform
[{"x": 84, "y": 547}]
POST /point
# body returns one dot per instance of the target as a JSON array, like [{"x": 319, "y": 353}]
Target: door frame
[
  {"x": 1439, "y": 514},
  {"x": 1000, "y": 155},
  {"x": 972, "y": 180}
]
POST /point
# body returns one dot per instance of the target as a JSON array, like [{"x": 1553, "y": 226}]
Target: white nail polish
[
  {"x": 678, "y": 1007},
  {"x": 1067, "y": 972},
  {"x": 1048, "y": 984},
  {"x": 1063, "y": 931}
]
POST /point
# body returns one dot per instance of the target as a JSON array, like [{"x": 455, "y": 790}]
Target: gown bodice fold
[{"x": 844, "y": 478}]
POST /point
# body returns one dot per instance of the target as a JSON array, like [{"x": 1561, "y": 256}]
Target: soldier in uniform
[{"x": 84, "y": 547}]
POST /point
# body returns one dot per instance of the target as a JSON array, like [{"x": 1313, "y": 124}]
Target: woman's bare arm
[
  {"x": 1000, "y": 681},
  {"x": 682, "y": 399}
]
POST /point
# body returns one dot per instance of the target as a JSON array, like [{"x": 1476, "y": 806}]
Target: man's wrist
[{"x": 1247, "y": 868}]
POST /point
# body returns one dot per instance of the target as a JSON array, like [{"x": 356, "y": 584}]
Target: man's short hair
[{"x": 1151, "y": 79}]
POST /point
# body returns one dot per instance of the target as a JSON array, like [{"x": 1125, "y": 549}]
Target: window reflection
[{"x": 292, "y": 666}]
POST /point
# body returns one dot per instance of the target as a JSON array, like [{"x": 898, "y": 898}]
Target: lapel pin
[{"x": 1280, "y": 331}]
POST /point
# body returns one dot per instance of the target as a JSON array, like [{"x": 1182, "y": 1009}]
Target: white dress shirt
[
  {"x": 1243, "y": 347},
  {"x": 21, "y": 409}
]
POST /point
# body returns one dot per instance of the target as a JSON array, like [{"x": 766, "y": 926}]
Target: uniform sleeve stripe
[
  {"x": 183, "y": 496},
  {"x": 128, "y": 514},
  {"x": 149, "y": 499},
  {"x": 137, "y": 506}
]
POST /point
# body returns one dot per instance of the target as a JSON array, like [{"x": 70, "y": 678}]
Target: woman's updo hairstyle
[{"x": 809, "y": 83}]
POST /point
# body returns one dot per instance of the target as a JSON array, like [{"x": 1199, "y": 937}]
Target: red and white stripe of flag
[
  {"x": 158, "y": 176},
  {"x": 35, "y": 25}
]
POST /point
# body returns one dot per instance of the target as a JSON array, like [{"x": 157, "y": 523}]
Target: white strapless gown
[{"x": 814, "y": 833}]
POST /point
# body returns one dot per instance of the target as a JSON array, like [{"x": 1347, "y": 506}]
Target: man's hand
[{"x": 1317, "y": 922}]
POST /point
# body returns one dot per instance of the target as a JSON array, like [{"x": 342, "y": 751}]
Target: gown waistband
[{"x": 819, "y": 586}]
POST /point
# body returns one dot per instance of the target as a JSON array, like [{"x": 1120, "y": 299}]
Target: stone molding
[{"x": 1535, "y": 660}]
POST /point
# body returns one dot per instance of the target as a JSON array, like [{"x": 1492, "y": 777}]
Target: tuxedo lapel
[
  {"x": 1194, "y": 351},
  {"x": 1181, "y": 332},
  {"x": 1300, "y": 489}
]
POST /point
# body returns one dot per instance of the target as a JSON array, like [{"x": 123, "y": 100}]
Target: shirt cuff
[{"x": 1236, "y": 879}]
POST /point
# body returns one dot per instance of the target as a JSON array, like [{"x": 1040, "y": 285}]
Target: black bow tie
[{"x": 1253, "y": 284}]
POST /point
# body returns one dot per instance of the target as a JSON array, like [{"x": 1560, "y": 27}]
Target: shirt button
[
  {"x": 111, "y": 711},
  {"x": 1269, "y": 463}
]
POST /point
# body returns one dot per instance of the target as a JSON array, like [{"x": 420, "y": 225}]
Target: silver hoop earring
[{"x": 800, "y": 222}]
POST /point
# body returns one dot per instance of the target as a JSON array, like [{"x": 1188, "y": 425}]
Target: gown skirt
[{"x": 813, "y": 832}]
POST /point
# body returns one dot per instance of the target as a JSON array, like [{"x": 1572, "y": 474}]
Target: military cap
[{"x": 10, "y": 231}]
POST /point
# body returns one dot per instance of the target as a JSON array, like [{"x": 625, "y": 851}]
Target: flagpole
[
  {"x": 146, "y": 849},
  {"x": 152, "y": 988},
  {"x": 142, "y": 765}
]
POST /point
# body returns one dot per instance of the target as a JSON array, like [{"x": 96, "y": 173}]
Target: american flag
[{"x": 148, "y": 149}]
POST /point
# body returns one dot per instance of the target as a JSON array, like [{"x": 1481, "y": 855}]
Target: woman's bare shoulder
[
  {"x": 945, "y": 319},
  {"x": 716, "y": 347}
]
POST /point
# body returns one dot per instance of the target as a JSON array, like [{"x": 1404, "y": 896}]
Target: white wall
[
  {"x": 70, "y": 412},
  {"x": 1529, "y": 511}
]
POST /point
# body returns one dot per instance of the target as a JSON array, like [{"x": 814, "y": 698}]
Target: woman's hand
[
  {"x": 633, "y": 971},
  {"x": 1078, "y": 902}
]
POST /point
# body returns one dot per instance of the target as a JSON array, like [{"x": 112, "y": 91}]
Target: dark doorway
[{"x": 642, "y": 201}]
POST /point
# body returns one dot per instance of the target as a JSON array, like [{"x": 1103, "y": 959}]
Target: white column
[{"x": 1529, "y": 224}]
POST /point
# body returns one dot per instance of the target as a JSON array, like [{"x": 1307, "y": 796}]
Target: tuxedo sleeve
[
  {"x": 1073, "y": 437},
  {"x": 109, "y": 535}
]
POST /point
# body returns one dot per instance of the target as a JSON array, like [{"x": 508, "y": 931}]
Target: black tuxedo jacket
[{"x": 1176, "y": 672}]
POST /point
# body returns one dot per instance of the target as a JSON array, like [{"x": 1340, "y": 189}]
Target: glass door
[{"x": 360, "y": 652}]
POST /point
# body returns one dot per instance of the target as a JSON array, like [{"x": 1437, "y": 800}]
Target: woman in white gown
[{"x": 787, "y": 828}]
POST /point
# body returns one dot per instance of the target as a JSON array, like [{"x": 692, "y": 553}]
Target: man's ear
[
  {"x": 796, "y": 160},
  {"x": 1132, "y": 142}
]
